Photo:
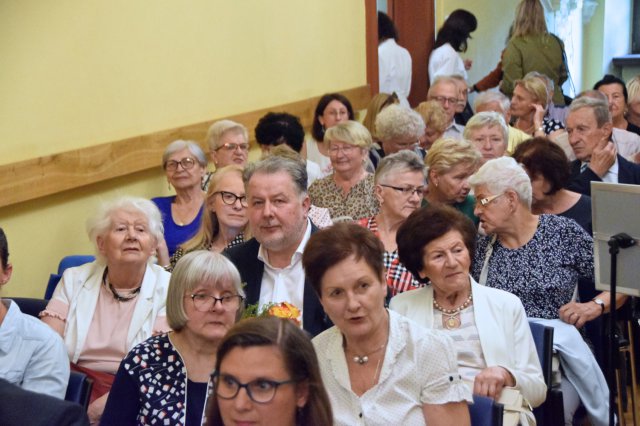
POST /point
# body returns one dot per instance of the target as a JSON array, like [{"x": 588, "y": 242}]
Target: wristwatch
[{"x": 599, "y": 302}]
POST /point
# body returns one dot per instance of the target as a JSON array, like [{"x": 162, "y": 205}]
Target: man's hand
[{"x": 602, "y": 159}]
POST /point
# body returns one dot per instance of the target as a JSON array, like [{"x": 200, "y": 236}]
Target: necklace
[
  {"x": 363, "y": 359},
  {"x": 132, "y": 294},
  {"x": 451, "y": 317}
]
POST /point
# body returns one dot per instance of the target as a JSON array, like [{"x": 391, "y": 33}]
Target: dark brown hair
[
  {"x": 541, "y": 157},
  {"x": 317, "y": 130}
]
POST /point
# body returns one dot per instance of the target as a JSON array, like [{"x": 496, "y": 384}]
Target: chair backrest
[
  {"x": 65, "y": 263},
  {"x": 485, "y": 412},
  {"x": 79, "y": 389},
  {"x": 30, "y": 306},
  {"x": 543, "y": 339}
]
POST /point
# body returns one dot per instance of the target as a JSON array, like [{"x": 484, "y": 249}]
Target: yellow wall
[{"x": 79, "y": 73}]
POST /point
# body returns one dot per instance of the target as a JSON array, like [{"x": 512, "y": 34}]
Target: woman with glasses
[
  {"x": 348, "y": 191},
  {"x": 266, "y": 374},
  {"x": 165, "y": 379},
  {"x": 450, "y": 162},
  {"x": 185, "y": 165},
  {"x": 228, "y": 143},
  {"x": 400, "y": 182},
  {"x": 398, "y": 128},
  {"x": 225, "y": 222}
]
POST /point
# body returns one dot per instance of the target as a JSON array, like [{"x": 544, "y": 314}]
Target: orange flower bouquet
[{"x": 284, "y": 310}]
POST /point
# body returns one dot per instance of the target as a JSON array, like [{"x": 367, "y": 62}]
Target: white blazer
[
  {"x": 505, "y": 336},
  {"x": 80, "y": 287}
]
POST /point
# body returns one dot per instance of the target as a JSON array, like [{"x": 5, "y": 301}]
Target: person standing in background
[
  {"x": 394, "y": 61},
  {"x": 450, "y": 40}
]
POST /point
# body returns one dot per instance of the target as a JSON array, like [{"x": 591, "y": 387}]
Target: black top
[
  {"x": 581, "y": 213},
  {"x": 633, "y": 128}
]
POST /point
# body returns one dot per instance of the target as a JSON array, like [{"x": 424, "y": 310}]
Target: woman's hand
[
  {"x": 579, "y": 314},
  {"x": 162, "y": 253},
  {"x": 96, "y": 408},
  {"x": 490, "y": 381},
  {"x": 467, "y": 64},
  {"x": 538, "y": 117}
]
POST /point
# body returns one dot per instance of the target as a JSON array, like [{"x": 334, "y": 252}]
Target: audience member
[
  {"x": 435, "y": 120},
  {"x": 489, "y": 327},
  {"x": 444, "y": 90},
  {"x": 228, "y": 144},
  {"x": 400, "y": 183},
  {"x": 528, "y": 107},
  {"x": 185, "y": 165},
  {"x": 376, "y": 104},
  {"x": 225, "y": 221},
  {"x": 450, "y": 162},
  {"x": 532, "y": 48},
  {"x": 398, "y": 128},
  {"x": 463, "y": 109},
  {"x": 167, "y": 376},
  {"x": 332, "y": 108},
  {"x": 32, "y": 355},
  {"x": 95, "y": 306},
  {"x": 270, "y": 263},
  {"x": 554, "y": 112},
  {"x": 274, "y": 361},
  {"x": 633, "y": 102},
  {"x": 394, "y": 61},
  {"x": 348, "y": 191},
  {"x": 616, "y": 92},
  {"x": 488, "y": 132},
  {"x": 589, "y": 127},
  {"x": 378, "y": 367},
  {"x": 451, "y": 39},
  {"x": 497, "y": 102}
]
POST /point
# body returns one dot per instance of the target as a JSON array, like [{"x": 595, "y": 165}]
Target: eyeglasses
[
  {"x": 484, "y": 202},
  {"x": 261, "y": 391},
  {"x": 346, "y": 149},
  {"x": 186, "y": 163},
  {"x": 233, "y": 146},
  {"x": 443, "y": 100},
  {"x": 205, "y": 303},
  {"x": 408, "y": 191},
  {"x": 229, "y": 198}
]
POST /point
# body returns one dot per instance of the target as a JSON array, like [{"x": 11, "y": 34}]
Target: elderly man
[
  {"x": 589, "y": 127},
  {"x": 497, "y": 102},
  {"x": 444, "y": 90},
  {"x": 270, "y": 263},
  {"x": 488, "y": 132}
]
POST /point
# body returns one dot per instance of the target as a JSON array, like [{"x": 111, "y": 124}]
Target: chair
[
  {"x": 30, "y": 306},
  {"x": 66, "y": 262},
  {"x": 485, "y": 412},
  {"x": 551, "y": 412},
  {"x": 79, "y": 389}
]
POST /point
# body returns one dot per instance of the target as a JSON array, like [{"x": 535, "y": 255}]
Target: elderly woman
[
  {"x": 348, "y": 191},
  {"x": 400, "y": 182},
  {"x": 488, "y": 326},
  {"x": 375, "y": 375},
  {"x": 488, "y": 132},
  {"x": 32, "y": 355},
  {"x": 539, "y": 258},
  {"x": 274, "y": 361},
  {"x": 185, "y": 164},
  {"x": 204, "y": 300},
  {"x": 332, "y": 109},
  {"x": 228, "y": 143},
  {"x": 528, "y": 108},
  {"x": 398, "y": 128},
  {"x": 435, "y": 120},
  {"x": 226, "y": 220},
  {"x": 633, "y": 102},
  {"x": 450, "y": 162},
  {"x": 104, "y": 308}
]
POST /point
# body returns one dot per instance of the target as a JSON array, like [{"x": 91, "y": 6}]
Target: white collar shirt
[
  {"x": 454, "y": 131},
  {"x": 612, "y": 174}
]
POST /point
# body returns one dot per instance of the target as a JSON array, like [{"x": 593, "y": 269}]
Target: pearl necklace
[{"x": 452, "y": 320}]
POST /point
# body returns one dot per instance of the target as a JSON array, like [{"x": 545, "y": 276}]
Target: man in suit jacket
[
  {"x": 271, "y": 262},
  {"x": 589, "y": 127}
]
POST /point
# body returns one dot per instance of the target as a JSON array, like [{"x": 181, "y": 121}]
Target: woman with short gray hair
[
  {"x": 204, "y": 300},
  {"x": 488, "y": 132},
  {"x": 398, "y": 128}
]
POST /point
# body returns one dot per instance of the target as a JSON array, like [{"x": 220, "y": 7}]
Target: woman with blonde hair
[
  {"x": 436, "y": 121},
  {"x": 529, "y": 107},
  {"x": 450, "y": 162},
  {"x": 377, "y": 104},
  {"x": 633, "y": 103},
  {"x": 533, "y": 48},
  {"x": 228, "y": 144}
]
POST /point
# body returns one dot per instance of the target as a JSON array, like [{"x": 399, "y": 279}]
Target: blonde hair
[
  {"x": 350, "y": 132},
  {"x": 433, "y": 115},
  {"x": 220, "y": 128},
  {"x": 633, "y": 89},
  {"x": 529, "y": 20},
  {"x": 377, "y": 104},
  {"x": 536, "y": 87},
  {"x": 449, "y": 152}
]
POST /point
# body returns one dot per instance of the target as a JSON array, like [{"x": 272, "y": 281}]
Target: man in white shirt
[
  {"x": 445, "y": 91},
  {"x": 270, "y": 263},
  {"x": 394, "y": 62}
]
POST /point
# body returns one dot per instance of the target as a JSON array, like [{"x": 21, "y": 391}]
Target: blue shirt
[
  {"x": 175, "y": 234},
  {"x": 32, "y": 355}
]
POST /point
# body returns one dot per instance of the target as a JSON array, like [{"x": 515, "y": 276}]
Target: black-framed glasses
[
  {"x": 443, "y": 99},
  {"x": 187, "y": 163},
  {"x": 229, "y": 198},
  {"x": 229, "y": 146},
  {"x": 406, "y": 191},
  {"x": 205, "y": 303},
  {"x": 484, "y": 202},
  {"x": 261, "y": 391}
]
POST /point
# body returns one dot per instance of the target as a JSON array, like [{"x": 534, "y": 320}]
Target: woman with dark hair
[
  {"x": 332, "y": 108},
  {"x": 394, "y": 61},
  {"x": 274, "y": 361},
  {"x": 451, "y": 39},
  {"x": 375, "y": 375},
  {"x": 489, "y": 327}
]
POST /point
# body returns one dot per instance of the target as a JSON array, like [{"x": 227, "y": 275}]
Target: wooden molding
[{"x": 51, "y": 174}]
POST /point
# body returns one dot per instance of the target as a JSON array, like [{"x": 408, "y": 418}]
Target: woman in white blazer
[{"x": 489, "y": 326}]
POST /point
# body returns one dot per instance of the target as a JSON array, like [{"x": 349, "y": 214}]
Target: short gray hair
[
  {"x": 502, "y": 174},
  {"x": 486, "y": 119},
  {"x": 400, "y": 162},
  {"x": 439, "y": 80},
  {"x": 296, "y": 169},
  {"x": 489, "y": 97},
  {"x": 100, "y": 223},
  {"x": 220, "y": 128},
  {"x": 179, "y": 145},
  {"x": 194, "y": 269},
  {"x": 599, "y": 107},
  {"x": 396, "y": 121}
]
